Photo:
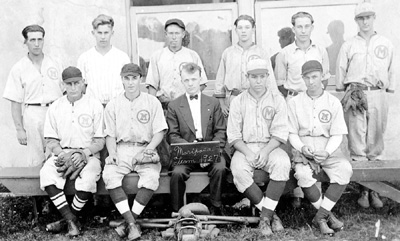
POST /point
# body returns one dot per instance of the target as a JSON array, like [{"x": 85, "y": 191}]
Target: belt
[
  {"x": 369, "y": 88},
  {"x": 292, "y": 93},
  {"x": 133, "y": 143},
  {"x": 236, "y": 92},
  {"x": 40, "y": 104}
]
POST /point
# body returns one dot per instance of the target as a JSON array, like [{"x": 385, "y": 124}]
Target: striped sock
[
  {"x": 60, "y": 201},
  {"x": 78, "y": 204}
]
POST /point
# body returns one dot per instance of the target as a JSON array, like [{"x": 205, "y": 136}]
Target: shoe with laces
[{"x": 363, "y": 200}]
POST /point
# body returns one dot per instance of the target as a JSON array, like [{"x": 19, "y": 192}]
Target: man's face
[
  {"x": 191, "y": 82},
  {"x": 244, "y": 30},
  {"x": 174, "y": 35},
  {"x": 35, "y": 43},
  {"x": 74, "y": 89},
  {"x": 258, "y": 82},
  {"x": 103, "y": 35},
  {"x": 313, "y": 81},
  {"x": 366, "y": 23},
  {"x": 131, "y": 83},
  {"x": 303, "y": 28}
]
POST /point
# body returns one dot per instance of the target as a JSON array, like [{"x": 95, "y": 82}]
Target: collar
[
  {"x": 133, "y": 98},
  {"x": 294, "y": 47},
  {"x": 359, "y": 35},
  {"x": 313, "y": 98}
]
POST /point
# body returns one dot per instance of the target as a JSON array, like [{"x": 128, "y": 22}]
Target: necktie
[{"x": 194, "y": 97}]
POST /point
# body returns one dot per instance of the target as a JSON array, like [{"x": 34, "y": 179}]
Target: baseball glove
[
  {"x": 298, "y": 157},
  {"x": 355, "y": 99},
  {"x": 66, "y": 165},
  {"x": 146, "y": 156}
]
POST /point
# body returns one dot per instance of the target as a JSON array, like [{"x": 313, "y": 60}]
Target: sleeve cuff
[
  {"x": 389, "y": 91},
  {"x": 234, "y": 142}
]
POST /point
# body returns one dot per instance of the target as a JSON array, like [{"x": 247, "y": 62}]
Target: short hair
[
  {"x": 102, "y": 19},
  {"x": 189, "y": 67},
  {"x": 301, "y": 15},
  {"x": 286, "y": 33},
  {"x": 245, "y": 17},
  {"x": 32, "y": 28}
]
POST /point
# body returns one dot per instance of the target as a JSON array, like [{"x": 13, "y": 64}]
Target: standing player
[
  {"x": 257, "y": 126},
  {"x": 195, "y": 117},
  {"x": 102, "y": 64},
  {"x": 35, "y": 82},
  {"x": 135, "y": 125},
  {"x": 316, "y": 129},
  {"x": 365, "y": 62},
  {"x": 292, "y": 57},
  {"x": 74, "y": 124},
  {"x": 163, "y": 79},
  {"x": 231, "y": 77}
]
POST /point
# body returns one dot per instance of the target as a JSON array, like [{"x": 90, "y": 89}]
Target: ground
[{"x": 17, "y": 223}]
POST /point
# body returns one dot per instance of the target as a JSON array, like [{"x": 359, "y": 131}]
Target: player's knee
[
  {"x": 303, "y": 174},
  {"x": 346, "y": 171}
]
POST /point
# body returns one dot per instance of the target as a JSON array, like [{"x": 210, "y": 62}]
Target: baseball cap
[
  {"x": 175, "y": 21},
  {"x": 310, "y": 66},
  {"x": 257, "y": 66},
  {"x": 364, "y": 9},
  {"x": 131, "y": 69},
  {"x": 71, "y": 74}
]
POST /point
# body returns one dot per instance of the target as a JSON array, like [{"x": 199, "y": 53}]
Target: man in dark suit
[{"x": 195, "y": 117}]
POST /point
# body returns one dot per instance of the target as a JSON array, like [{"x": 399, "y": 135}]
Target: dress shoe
[
  {"x": 296, "y": 202},
  {"x": 133, "y": 231},
  {"x": 57, "y": 226},
  {"x": 334, "y": 223},
  {"x": 322, "y": 225},
  {"x": 276, "y": 224},
  {"x": 265, "y": 226},
  {"x": 375, "y": 200},
  {"x": 363, "y": 200},
  {"x": 121, "y": 229},
  {"x": 73, "y": 229}
]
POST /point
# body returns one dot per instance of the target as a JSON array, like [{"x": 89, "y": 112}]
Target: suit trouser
[
  {"x": 366, "y": 130},
  {"x": 216, "y": 172}
]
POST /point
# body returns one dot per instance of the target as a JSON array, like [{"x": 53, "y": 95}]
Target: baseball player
[
  {"x": 195, "y": 117},
  {"x": 316, "y": 129},
  {"x": 102, "y": 64},
  {"x": 288, "y": 67},
  {"x": 292, "y": 57},
  {"x": 34, "y": 82},
  {"x": 163, "y": 79},
  {"x": 257, "y": 125},
  {"x": 135, "y": 125},
  {"x": 74, "y": 135},
  {"x": 365, "y": 62},
  {"x": 286, "y": 37},
  {"x": 231, "y": 77}
]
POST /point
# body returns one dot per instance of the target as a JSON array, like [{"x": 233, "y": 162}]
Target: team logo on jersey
[
  {"x": 268, "y": 112},
  {"x": 143, "y": 116},
  {"x": 85, "y": 120},
  {"x": 325, "y": 116},
  {"x": 254, "y": 56},
  {"x": 52, "y": 73},
  {"x": 381, "y": 51}
]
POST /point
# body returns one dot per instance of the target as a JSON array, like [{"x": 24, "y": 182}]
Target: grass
[{"x": 16, "y": 221}]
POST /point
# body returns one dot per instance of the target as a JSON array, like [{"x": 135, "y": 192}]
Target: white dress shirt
[{"x": 195, "y": 109}]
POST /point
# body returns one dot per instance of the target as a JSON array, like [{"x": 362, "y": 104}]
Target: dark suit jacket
[{"x": 181, "y": 125}]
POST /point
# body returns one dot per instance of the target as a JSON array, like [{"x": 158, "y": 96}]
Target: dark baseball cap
[
  {"x": 131, "y": 69},
  {"x": 71, "y": 74},
  {"x": 175, "y": 21},
  {"x": 310, "y": 66}
]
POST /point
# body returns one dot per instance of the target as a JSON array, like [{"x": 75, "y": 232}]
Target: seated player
[
  {"x": 135, "y": 125},
  {"x": 316, "y": 129}
]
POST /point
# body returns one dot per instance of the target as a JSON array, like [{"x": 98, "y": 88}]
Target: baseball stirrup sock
[
  {"x": 335, "y": 191},
  {"x": 58, "y": 198},
  {"x": 312, "y": 193},
  {"x": 120, "y": 200},
  {"x": 255, "y": 195},
  {"x": 318, "y": 203},
  {"x": 327, "y": 204},
  {"x": 142, "y": 198},
  {"x": 275, "y": 189}
]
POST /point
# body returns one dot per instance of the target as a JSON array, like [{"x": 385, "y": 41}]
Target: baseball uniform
[
  {"x": 76, "y": 125},
  {"x": 133, "y": 124},
  {"x": 101, "y": 73},
  {"x": 36, "y": 89},
  {"x": 164, "y": 73},
  {"x": 371, "y": 64}
]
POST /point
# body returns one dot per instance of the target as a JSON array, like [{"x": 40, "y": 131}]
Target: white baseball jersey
[
  {"x": 102, "y": 73},
  {"x": 232, "y": 69},
  {"x": 366, "y": 63},
  {"x": 134, "y": 121},
  {"x": 290, "y": 60},
  {"x": 74, "y": 124},
  {"x": 257, "y": 121},
  {"x": 26, "y": 84},
  {"x": 321, "y": 116},
  {"x": 164, "y": 74}
]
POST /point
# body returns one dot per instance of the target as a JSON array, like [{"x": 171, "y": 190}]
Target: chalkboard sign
[{"x": 195, "y": 152}]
